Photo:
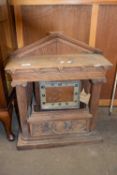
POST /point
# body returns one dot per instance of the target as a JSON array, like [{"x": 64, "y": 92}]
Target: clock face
[{"x": 60, "y": 95}]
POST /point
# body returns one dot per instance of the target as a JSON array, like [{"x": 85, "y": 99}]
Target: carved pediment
[{"x": 55, "y": 43}]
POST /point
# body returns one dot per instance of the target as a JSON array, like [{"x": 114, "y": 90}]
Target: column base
[{"x": 92, "y": 137}]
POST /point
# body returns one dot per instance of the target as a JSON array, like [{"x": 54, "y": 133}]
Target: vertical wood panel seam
[
  {"x": 93, "y": 28},
  {"x": 19, "y": 26}
]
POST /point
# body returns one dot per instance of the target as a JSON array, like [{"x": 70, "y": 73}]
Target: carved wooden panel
[
  {"x": 46, "y": 128},
  {"x": 50, "y": 123},
  {"x": 47, "y": 49}
]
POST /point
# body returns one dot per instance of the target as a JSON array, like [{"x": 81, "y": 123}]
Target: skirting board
[
  {"x": 106, "y": 102},
  {"x": 93, "y": 137}
]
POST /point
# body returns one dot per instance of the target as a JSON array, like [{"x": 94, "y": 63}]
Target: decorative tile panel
[{"x": 55, "y": 99}]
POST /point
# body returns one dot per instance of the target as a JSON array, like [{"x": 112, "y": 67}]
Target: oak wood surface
[
  {"x": 94, "y": 102},
  {"x": 59, "y": 122},
  {"x": 37, "y": 21},
  {"x": 57, "y": 2},
  {"x": 106, "y": 102},
  {"x": 19, "y": 27},
  {"x": 61, "y": 141},
  {"x": 54, "y": 125},
  {"x": 93, "y": 28},
  {"x": 58, "y": 94},
  {"x": 59, "y": 62},
  {"x": 19, "y": 78},
  {"x": 106, "y": 40},
  {"x": 23, "y": 106},
  {"x": 6, "y": 45},
  {"x": 55, "y": 43},
  {"x": 59, "y": 115}
]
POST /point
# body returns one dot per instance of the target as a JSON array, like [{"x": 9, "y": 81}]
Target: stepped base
[{"x": 92, "y": 137}]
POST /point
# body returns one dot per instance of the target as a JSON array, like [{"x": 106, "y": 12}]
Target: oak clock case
[{"x": 57, "y": 102}]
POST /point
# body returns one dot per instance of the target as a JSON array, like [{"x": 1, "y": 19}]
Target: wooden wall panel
[
  {"x": 74, "y": 21},
  {"x": 7, "y": 37},
  {"x": 106, "y": 40},
  {"x": 3, "y": 43},
  {"x": 7, "y": 45},
  {"x": 62, "y": 2}
]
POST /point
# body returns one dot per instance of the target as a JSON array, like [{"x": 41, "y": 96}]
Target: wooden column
[
  {"x": 21, "y": 91},
  {"x": 94, "y": 101}
]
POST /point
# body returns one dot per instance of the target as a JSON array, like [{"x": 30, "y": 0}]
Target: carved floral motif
[{"x": 58, "y": 127}]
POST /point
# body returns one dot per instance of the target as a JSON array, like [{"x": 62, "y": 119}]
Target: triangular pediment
[{"x": 55, "y": 43}]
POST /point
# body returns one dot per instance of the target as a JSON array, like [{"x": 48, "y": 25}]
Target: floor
[{"x": 90, "y": 159}]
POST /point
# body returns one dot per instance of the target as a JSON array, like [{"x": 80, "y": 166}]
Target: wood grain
[
  {"x": 55, "y": 43},
  {"x": 5, "y": 49},
  {"x": 59, "y": 122},
  {"x": 23, "y": 107},
  {"x": 55, "y": 125},
  {"x": 55, "y": 142},
  {"x": 7, "y": 27},
  {"x": 60, "y": 115},
  {"x": 59, "y": 94},
  {"x": 39, "y": 20},
  {"x": 23, "y": 77},
  {"x": 93, "y": 28},
  {"x": 19, "y": 27},
  {"x": 49, "y": 68},
  {"x": 106, "y": 40},
  {"x": 94, "y": 102},
  {"x": 59, "y": 2},
  {"x": 107, "y": 102},
  {"x": 50, "y": 63}
]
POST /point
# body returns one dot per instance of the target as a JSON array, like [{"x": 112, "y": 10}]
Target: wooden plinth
[{"x": 92, "y": 137}]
